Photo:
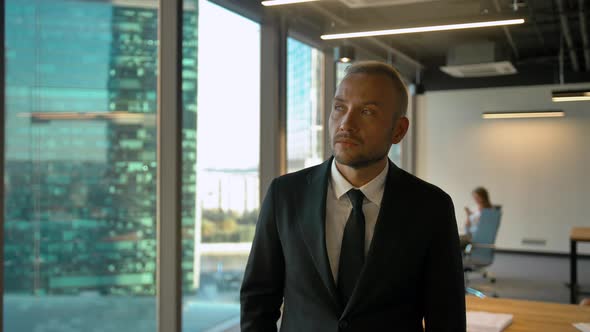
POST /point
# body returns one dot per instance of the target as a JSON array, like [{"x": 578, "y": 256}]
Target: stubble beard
[{"x": 360, "y": 161}]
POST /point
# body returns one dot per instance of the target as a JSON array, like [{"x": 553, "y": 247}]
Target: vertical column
[
  {"x": 273, "y": 100},
  {"x": 408, "y": 146},
  {"x": 169, "y": 166},
  {"x": 329, "y": 90},
  {"x": 282, "y": 83}
]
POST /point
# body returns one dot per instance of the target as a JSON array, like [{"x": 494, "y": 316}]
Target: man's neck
[{"x": 358, "y": 177}]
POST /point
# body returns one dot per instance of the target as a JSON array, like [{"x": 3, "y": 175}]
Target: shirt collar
[{"x": 373, "y": 190}]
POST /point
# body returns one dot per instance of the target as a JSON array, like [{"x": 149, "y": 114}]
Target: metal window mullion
[
  {"x": 2, "y": 166},
  {"x": 273, "y": 120},
  {"x": 169, "y": 285},
  {"x": 329, "y": 89},
  {"x": 283, "y": 29},
  {"x": 408, "y": 144}
]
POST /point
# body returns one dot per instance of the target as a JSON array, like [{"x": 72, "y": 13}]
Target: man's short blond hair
[{"x": 380, "y": 68}]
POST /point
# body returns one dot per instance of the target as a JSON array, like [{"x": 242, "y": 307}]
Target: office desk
[
  {"x": 577, "y": 234},
  {"x": 532, "y": 316}
]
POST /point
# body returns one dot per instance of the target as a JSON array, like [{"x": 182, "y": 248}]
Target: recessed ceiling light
[{"x": 344, "y": 53}]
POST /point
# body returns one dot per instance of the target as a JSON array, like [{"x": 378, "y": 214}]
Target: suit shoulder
[
  {"x": 424, "y": 188},
  {"x": 298, "y": 175},
  {"x": 296, "y": 178}
]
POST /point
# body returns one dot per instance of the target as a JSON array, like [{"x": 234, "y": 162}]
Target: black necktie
[{"x": 352, "y": 252}]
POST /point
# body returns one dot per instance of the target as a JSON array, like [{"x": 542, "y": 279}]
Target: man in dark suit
[{"x": 356, "y": 243}]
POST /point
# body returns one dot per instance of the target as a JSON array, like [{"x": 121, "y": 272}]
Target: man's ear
[{"x": 400, "y": 130}]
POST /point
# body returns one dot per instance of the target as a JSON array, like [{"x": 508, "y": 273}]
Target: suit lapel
[
  {"x": 388, "y": 236},
  {"x": 313, "y": 225}
]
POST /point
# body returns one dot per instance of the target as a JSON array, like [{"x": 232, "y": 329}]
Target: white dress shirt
[
  {"x": 474, "y": 219},
  {"x": 338, "y": 208}
]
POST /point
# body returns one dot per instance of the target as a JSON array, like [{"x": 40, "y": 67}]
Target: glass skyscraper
[
  {"x": 304, "y": 110},
  {"x": 81, "y": 167}
]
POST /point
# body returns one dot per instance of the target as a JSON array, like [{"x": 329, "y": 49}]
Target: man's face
[{"x": 361, "y": 125}]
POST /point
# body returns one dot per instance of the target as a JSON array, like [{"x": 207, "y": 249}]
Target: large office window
[
  {"x": 80, "y": 235},
  {"x": 218, "y": 237},
  {"x": 305, "y": 123}
]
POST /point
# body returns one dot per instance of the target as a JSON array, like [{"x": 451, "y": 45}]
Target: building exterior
[
  {"x": 304, "y": 110},
  {"x": 81, "y": 146}
]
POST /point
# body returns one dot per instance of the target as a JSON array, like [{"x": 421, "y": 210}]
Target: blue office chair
[{"x": 479, "y": 254}]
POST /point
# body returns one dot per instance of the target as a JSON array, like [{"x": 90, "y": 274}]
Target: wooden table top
[
  {"x": 580, "y": 234},
  {"x": 532, "y": 316}
]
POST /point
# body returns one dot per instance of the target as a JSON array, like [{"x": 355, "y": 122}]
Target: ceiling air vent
[
  {"x": 480, "y": 69},
  {"x": 379, "y": 3},
  {"x": 478, "y": 60}
]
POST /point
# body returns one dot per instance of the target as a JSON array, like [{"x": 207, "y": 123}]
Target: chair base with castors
[{"x": 479, "y": 254}]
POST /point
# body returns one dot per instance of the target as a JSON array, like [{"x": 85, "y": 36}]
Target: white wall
[{"x": 537, "y": 169}]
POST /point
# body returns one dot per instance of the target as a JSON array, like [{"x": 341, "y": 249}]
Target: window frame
[{"x": 169, "y": 161}]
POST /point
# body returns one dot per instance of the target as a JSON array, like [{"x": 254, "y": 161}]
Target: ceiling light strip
[
  {"x": 283, "y": 2},
  {"x": 523, "y": 115},
  {"x": 471, "y": 25},
  {"x": 571, "y": 95},
  {"x": 561, "y": 99}
]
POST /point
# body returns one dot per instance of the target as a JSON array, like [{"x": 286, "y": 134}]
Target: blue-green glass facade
[
  {"x": 304, "y": 116},
  {"x": 81, "y": 167}
]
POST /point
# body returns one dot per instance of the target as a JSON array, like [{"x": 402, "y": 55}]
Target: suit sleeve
[
  {"x": 261, "y": 294},
  {"x": 444, "y": 293}
]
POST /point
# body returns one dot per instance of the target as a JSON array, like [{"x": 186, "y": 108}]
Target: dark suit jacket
[{"x": 413, "y": 269}]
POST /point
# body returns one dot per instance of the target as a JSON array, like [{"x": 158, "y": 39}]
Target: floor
[
  {"x": 530, "y": 277},
  {"x": 518, "y": 276}
]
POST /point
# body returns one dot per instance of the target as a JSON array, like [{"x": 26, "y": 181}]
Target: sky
[{"x": 228, "y": 132}]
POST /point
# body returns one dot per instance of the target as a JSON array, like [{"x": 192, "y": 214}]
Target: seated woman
[{"x": 482, "y": 201}]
